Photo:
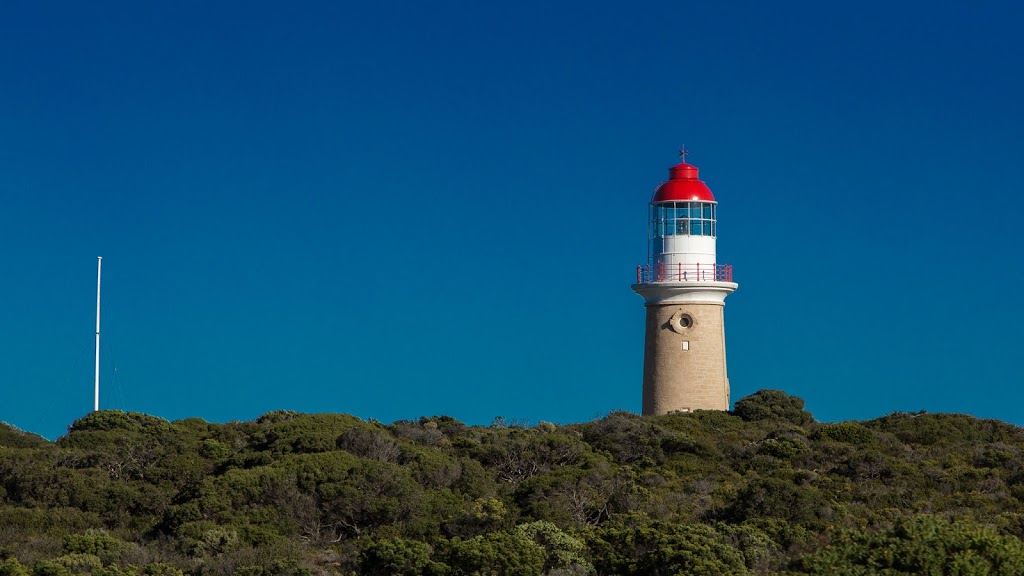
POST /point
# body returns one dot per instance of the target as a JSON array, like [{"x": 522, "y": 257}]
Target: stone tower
[{"x": 684, "y": 289}]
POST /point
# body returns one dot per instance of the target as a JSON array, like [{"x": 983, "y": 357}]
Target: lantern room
[{"x": 682, "y": 229}]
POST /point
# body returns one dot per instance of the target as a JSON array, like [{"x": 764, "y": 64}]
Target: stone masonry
[{"x": 684, "y": 358}]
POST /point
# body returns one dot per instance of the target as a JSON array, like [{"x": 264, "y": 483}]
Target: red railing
[{"x": 684, "y": 273}]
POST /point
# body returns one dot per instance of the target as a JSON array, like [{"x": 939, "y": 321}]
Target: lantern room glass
[{"x": 682, "y": 219}]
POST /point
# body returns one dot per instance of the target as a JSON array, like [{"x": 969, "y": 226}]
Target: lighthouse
[{"x": 684, "y": 289}]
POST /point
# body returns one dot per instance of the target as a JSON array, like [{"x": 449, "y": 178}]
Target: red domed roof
[{"x": 683, "y": 185}]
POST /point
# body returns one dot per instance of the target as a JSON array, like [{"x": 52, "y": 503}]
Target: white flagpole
[{"x": 96, "y": 398}]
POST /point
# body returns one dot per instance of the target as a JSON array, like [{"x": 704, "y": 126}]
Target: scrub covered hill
[{"x": 762, "y": 490}]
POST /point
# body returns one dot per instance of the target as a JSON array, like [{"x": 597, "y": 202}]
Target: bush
[
  {"x": 777, "y": 498},
  {"x": 79, "y": 563},
  {"x": 101, "y": 545},
  {"x": 783, "y": 448},
  {"x": 496, "y": 554},
  {"x": 11, "y": 567},
  {"x": 106, "y": 420},
  {"x": 773, "y": 405},
  {"x": 50, "y": 568},
  {"x": 664, "y": 548},
  {"x": 397, "y": 556},
  {"x": 920, "y": 545},
  {"x": 846, "y": 432},
  {"x": 565, "y": 552},
  {"x": 11, "y": 437}
]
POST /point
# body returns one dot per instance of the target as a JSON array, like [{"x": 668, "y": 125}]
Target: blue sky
[{"x": 396, "y": 209}]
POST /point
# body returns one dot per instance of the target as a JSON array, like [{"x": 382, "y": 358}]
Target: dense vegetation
[{"x": 762, "y": 490}]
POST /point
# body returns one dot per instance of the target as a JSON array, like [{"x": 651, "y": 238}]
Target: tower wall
[
  {"x": 684, "y": 365},
  {"x": 671, "y": 250}
]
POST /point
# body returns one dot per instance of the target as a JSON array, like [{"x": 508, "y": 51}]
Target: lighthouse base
[
  {"x": 684, "y": 346},
  {"x": 684, "y": 358}
]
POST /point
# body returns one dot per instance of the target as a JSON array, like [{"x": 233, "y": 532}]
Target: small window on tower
[{"x": 686, "y": 345}]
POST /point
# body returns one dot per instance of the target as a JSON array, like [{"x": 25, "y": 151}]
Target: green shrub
[
  {"x": 564, "y": 551},
  {"x": 12, "y": 437},
  {"x": 496, "y": 554},
  {"x": 50, "y": 568},
  {"x": 625, "y": 547},
  {"x": 98, "y": 544},
  {"x": 397, "y": 556},
  {"x": 920, "y": 545},
  {"x": 783, "y": 448},
  {"x": 773, "y": 405},
  {"x": 79, "y": 563},
  {"x": 11, "y": 567},
  {"x": 846, "y": 432}
]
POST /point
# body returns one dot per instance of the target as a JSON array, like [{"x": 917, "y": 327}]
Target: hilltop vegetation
[{"x": 762, "y": 490}]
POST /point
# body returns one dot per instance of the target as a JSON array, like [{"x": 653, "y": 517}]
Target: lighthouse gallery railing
[{"x": 646, "y": 274}]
